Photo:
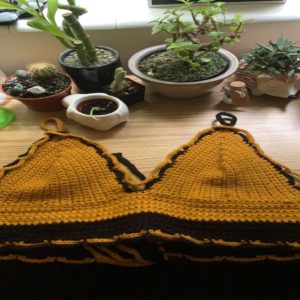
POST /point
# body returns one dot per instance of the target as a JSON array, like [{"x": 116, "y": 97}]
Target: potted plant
[
  {"x": 124, "y": 88},
  {"x": 91, "y": 67},
  {"x": 272, "y": 69},
  {"x": 41, "y": 87},
  {"x": 186, "y": 66},
  {"x": 96, "y": 110}
]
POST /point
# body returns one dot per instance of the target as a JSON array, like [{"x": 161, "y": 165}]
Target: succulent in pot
[
  {"x": 41, "y": 87},
  {"x": 91, "y": 67},
  {"x": 191, "y": 62},
  {"x": 125, "y": 88},
  {"x": 272, "y": 69}
]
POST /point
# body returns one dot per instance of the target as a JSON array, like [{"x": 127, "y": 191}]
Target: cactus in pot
[
  {"x": 127, "y": 89},
  {"x": 83, "y": 55},
  {"x": 41, "y": 87}
]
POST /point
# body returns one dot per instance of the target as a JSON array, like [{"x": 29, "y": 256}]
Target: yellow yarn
[{"x": 219, "y": 176}]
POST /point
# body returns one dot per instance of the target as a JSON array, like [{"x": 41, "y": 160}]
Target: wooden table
[{"x": 159, "y": 125}]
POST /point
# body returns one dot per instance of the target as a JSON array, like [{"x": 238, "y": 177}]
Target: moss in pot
[{"x": 124, "y": 88}]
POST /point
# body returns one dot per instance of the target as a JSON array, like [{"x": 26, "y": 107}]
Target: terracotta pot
[
  {"x": 91, "y": 79},
  {"x": 181, "y": 90},
  {"x": 45, "y": 104}
]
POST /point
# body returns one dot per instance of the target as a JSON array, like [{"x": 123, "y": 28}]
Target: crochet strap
[
  {"x": 57, "y": 122},
  {"x": 226, "y": 118}
]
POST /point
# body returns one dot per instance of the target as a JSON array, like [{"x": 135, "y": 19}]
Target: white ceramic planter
[
  {"x": 98, "y": 122},
  {"x": 180, "y": 90}
]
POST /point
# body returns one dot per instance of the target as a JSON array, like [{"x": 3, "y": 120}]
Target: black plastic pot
[
  {"x": 129, "y": 97},
  {"x": 91, "y": 79}
]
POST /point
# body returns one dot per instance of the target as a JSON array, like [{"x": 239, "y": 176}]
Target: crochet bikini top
[{"x": 218, "y": 197}]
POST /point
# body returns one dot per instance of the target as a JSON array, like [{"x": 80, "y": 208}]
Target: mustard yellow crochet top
[{"x": 216, "y": 198}]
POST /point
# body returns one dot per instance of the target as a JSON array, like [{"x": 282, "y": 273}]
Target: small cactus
[
  {"x": 42, "y": 70},
  {"x": 118, "y": 84}
]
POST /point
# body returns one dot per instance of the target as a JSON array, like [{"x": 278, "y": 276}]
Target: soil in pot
[
  {"x": 97, "y": 107},
  {"x": 104, "y": 57},
  {"x": 22, "y": 88},
  {"x": 167, "y": 66},
  {"x": 133, "y": 93}
]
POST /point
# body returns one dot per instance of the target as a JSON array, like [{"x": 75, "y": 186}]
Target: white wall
[{"x": 20, "y": 48}]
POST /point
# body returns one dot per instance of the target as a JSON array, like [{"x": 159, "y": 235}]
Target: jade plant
[
  {"x": 281, "y": 58},
  {"x": 38, "y": 80},
  {"x": 206, "y": 31},
  {"x": 71, "y": 34}
]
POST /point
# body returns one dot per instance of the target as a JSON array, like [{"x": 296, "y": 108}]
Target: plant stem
[
  {"x": 80, "y": 50},
  {"x": 67, "y": 29},
  {"x": 77, "y": 30},
  {"x": 72, "y": 2},
  {"x": 66, "y": 43},
  {"x": 76, "y": 10}
]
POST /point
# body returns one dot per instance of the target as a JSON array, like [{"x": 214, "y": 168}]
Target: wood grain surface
[{"x": 158, "y": 126}]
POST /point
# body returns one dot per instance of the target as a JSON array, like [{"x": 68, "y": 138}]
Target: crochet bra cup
[{"x": 218, "y": 187}]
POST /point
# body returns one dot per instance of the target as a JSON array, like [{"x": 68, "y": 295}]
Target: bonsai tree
[
  {"x": 39, "y": 80},
  {"x": 186, "y": 38},
  {"x": 71, "y": 34},
  {"x": 277, "y": 59},
  {"x": 192, "y": 45}
]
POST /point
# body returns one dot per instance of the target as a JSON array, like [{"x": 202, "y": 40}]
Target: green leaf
[
  {"x": 43, "y": 25},
  {"x": 214, "y": 33},
  {"x": 24, "y": 3},
  {"x": 6, "y": 5},
  {"x": 52, "y": 9},
  {"x": 205, "y": 59}
]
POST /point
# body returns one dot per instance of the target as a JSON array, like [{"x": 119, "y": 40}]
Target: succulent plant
[
  {"x": 118, "y": 84},
  {"x": 279, "y": 59},
  {"x": 207, "y": 30},
  {"x": 42, "y": 70}
]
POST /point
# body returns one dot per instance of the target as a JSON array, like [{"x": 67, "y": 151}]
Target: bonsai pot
[
  {"x": 96, "y": 110},
  {"x": 181, "y": 90},
  {"x": 44, "y": 104},
  {"x": 91, "y": 79},
  {"x": 135, "y": 92}
]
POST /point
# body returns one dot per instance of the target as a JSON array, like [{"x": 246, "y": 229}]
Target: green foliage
[
  {"x": 70, "y": 34},
  {"x": 186, "y": 38},
  {"x": 42, "y": 70},
  {"x": 279, "y": 59},
  {"x": 119, "y": 84}
]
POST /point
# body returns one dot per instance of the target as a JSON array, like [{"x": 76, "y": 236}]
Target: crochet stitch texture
[{"x": 219, "y": 197}]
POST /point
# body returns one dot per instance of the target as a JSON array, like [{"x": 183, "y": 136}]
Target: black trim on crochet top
[
  {"x": 130, "y": 166},
  {"x": 228, "y": 231},
  {"x": 290, "y": 178},
  {"x": 174, "y": 158},
  {"x": 22, "y": 155},
  {"x": 120, "y": 176}
]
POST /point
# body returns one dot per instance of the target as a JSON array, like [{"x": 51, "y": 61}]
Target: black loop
[{"x": 226, "y": 118}]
